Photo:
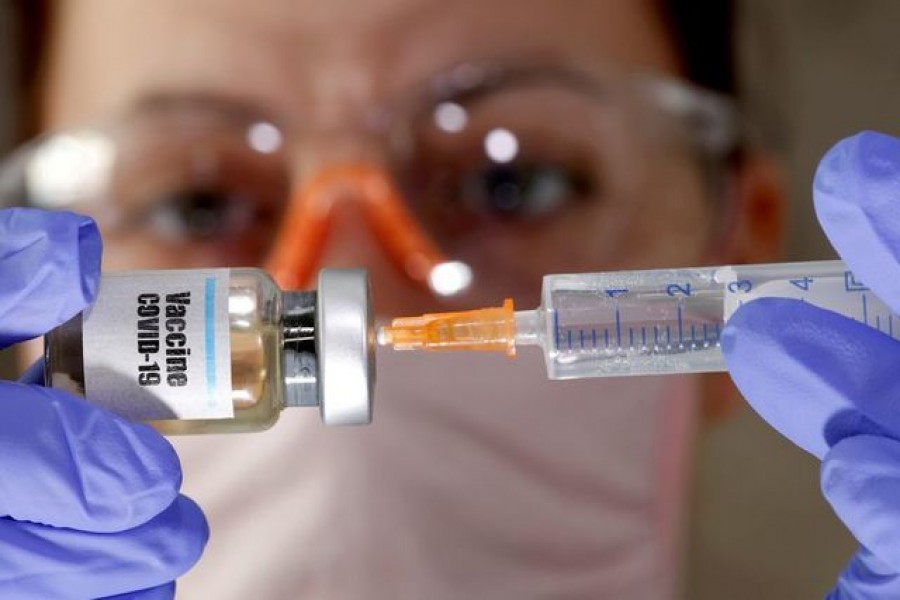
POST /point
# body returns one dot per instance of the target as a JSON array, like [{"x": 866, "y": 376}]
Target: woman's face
[{"x": 226, "y": 109}]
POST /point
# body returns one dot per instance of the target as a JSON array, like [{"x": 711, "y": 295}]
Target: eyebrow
[
  {"x": 485, "y": 76},
  {"x": 455, "y": 83},
  {"x": 228, "y": 107}
]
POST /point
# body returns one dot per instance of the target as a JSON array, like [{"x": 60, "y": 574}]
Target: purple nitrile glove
[
  {"x": 832, "y": 384},
  {"x": 89, "y": 502}
]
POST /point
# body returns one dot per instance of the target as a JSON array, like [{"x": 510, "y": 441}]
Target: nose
[
  {"x": 330, "y": 191},
  {"x": 352, "y": 243}
]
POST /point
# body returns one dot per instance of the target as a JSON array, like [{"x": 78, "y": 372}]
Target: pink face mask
[{"x": 479, "y": 478}]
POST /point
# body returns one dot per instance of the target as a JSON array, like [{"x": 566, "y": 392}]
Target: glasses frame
[{"x": 712, "y": 119}]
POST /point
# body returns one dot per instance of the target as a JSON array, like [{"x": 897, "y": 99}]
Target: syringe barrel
[{"x": 670, "y": 321}]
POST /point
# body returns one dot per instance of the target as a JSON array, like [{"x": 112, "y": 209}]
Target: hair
[
  {"x": 703, "y": 35},
  {"x": 31, "y": 31},
  {"x": 701, "y": 31}
]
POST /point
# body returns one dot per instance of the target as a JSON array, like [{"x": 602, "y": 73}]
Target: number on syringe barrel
[{"x": 836, "y": 290}]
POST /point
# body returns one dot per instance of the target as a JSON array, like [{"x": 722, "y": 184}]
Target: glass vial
[{"x": 221, "y": 350}]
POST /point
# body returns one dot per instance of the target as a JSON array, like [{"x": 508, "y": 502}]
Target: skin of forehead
[{"x": 322, "y": 62}]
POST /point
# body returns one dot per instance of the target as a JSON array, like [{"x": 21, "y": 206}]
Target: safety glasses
[{"x": 487, "y": 178}]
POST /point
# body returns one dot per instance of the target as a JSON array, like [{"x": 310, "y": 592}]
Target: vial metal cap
[{"x": 345, "y": 345}]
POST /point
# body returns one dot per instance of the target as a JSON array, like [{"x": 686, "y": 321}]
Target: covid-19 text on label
[{"x": 162, "y": 328}]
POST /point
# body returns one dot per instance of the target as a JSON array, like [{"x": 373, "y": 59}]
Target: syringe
[{"x": 639, "y": 322}]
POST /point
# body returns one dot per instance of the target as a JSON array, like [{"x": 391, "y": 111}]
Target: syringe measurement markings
[
  {"x": 702, "y": 335},
  {"x": 618, "y": 328},
  {"x": 865, "y": 310},
  {"x": 585, "y": 339},
  {"x": 556, "y": 327}
]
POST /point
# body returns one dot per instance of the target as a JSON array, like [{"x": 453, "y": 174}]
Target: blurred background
[{"x": 814, "y": 71}]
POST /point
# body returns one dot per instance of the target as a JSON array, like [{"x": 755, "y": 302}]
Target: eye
[
  {"x": 457, "y": 194},
  {"x": 203, "y": 214},
  {"x": 508, "y": 158},
  {"x": 206, "y": 189},
  {"x": 524, "y": 190}
]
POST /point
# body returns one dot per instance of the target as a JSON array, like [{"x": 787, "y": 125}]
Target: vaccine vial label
[{"x": 156, "y": 345}]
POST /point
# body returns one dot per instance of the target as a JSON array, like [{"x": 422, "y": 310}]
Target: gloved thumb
[
  {"x": 816, "y": 376},
  {"x": 49, "y": 270},
  {"x": 861, "y": 480}
]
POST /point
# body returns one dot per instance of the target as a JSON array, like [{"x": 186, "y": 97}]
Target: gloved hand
[
  {"x": 89, "y": 503},
  {"x": 831, "y": 384}
]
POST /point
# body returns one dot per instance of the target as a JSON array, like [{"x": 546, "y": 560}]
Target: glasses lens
[
  {"x": 177, "y": 186},
  {"x": 541, "y": 177}
]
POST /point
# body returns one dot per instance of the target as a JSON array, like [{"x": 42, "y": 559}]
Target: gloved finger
[
  {"x": 861, "y": 480},
  {"x": 49, "y": 270},
  {"x": 67, "y": 463},
  {"x": 162, "y": 592},
  {"x": 51, "y": 562},
  {"x": 866, "y": 578},
  {"x": 814, "y": 375},
  {"x": 855, "y": 194}
]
